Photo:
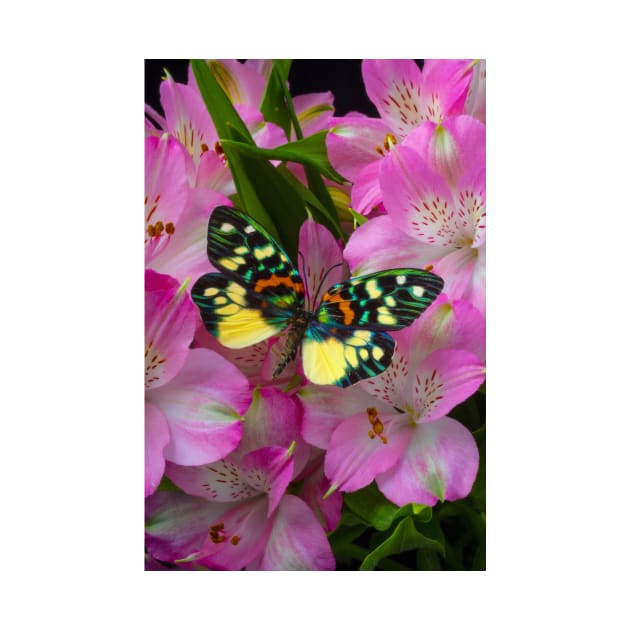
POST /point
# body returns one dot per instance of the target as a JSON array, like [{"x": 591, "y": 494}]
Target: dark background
[{"x": 341, "y": 76}]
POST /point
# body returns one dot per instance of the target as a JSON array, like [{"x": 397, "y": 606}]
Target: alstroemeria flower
[
  {"x": 254, "y": 524},
  {"x": 405, "y": 97},
  {"x": 187, "y": 118},
  {"x": 402, "y": 431},
  {"x": 176, "y": 215},
  {"x": 476, "y": 99},
  {"x": 170, "y": 322},
  {"x": 195, "y": 399},
  {"x": 433, "y": 188}
]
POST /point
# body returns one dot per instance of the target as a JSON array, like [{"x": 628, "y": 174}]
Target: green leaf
[
  {"x": 320, "y": 213},
  {"x": 273, "y": 107},
  {"x": 309, "y": 151},
  {"x": 218, "y": 103},
  {"x": 405, "y": 538},
  {"x": 370, "y": 505},
  {"x": 359, "y": 219},
  {"x": 478, "y": 492}
]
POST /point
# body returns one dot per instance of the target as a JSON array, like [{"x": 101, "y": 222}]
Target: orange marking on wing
[
  {"x": 276, "y": 281},
  {"x": 344, "y": 305}
]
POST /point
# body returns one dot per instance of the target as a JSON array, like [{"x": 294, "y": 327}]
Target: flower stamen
[{"x": 377, "y": 426}]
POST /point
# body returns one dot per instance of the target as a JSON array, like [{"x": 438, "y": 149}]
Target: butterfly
[{"x": 259, "y": 293}]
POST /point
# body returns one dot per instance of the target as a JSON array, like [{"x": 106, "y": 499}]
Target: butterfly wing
[
  {"x": 385, "y": 300},
  {"x": 247, "y": 253},
  {"x": 343, "y": 356},
  {"x": 234, "y": 314},
  {"x": 259, "y": 290}
]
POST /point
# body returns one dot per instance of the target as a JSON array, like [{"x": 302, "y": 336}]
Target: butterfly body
[{"x": 260, "y": 294}]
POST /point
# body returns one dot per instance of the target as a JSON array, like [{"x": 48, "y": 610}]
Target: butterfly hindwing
[
  {"x": 243, "y": 250},
  {"x": 385, "y": 300},
  {"x": 342, "y": 356},
  {"x": 234, "y": 314}
]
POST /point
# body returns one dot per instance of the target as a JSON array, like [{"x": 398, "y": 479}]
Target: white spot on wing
[{"x": 401, "y": 279}]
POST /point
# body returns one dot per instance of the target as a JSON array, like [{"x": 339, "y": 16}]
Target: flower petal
[
  {"x": 220, "y": 482},
  {"x": 238, "y": 537},
  {"x": 457, "y": 269},
  {"x": 203, "y": 405},
  {"x": 269, "y": 470},
  {"x": 379, "y": 245},
  {"x": 356, "y": 454},
  {"x": 185, "y": 256},
  {"x": 297, "y": 541},
  {"x": 366, "y": 192},
  {"x": 420, "y": 200},
  {"x": 170, "y": 323},
  {"x": 451, "y": 148},
  {"x": 395, "y": 88},
  {"x": 156, "y": 437},
  {"x": 353, "y": 142},
  {"x": 445, "y": 86},
  {"x": 321, "y": 258},
  {"x": 315, "y": 487},
  {"x": 445, "y": 379},
  {"x": 440, "y": 463},
  {"x": 187, "y": 117},
  {"x": 177, "y": 524},
  {"x": 326, "y": 406},
  {"x": 476, "y": 98},
  {"x": 456, "y": 325},
  {"x": 166, "y": 191},
  {"x": 313, "y": 111}
]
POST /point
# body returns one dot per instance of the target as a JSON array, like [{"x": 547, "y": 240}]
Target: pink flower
[
  {"x": 394, "y": 427},
  {"x": 194, "y": 398},
  {"x": 405, "y": 98},
  {"x": 176, "y": 215},
  {"x": 433, "y": 188},
  {"x": 238, "y": 514}
]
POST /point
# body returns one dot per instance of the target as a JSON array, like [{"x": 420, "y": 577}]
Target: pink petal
[
  {"x": 356, "y": 455},
  {"x": 451, "y": 148},
  {"x": 187, "y": 117},
  {"x": 248, "y": 360},
  {"x": 204, "y": 405},
  {"x": 185, "y": 256},
  {"x": 445, "y": 84},
  {"x": 326, "y": 406},
  {"x": 476, "y": 292},
  {"x": 445, "y": 379},
  {"x": 476, "y": 98},
  {"x": 297, "y": 541},
  {"x": 470, "y": 199},
  {"x": 379, "y": 245},
  {"x": 242, "y": 82},
  {"x": 395, "y": 88},
  {"x": 166, "y": 191},
  {"x": 269, "y": 470},
  {"x": 220, "y": 482},
  {"x": 392, "y": 386},
  {"x": 177, "y": 524},
  {"x": 313, "y": 111},
  {"x": 314, "y": 488},
  {"x": 457, "y": 324},
  {"x": 440, "y": 463},
  {"x": 420, "y": 201},
  {"x": 457, "y": 269},
  {"x": 170, "y": 323},
  {"x": 213, "y": 172},
  {"x": 366, "y": 192},
  {"x": 321, "y": 260},
  {"x": 240, "y": 535},
  {"x": 353, "y": 143},
  {"x": 156, "y": 437}
]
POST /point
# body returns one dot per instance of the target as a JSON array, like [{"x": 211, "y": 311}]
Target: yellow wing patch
[{"x": 242, "y": 327}]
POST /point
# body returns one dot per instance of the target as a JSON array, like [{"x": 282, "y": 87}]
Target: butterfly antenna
[
  {"x": 324, "y": 278},
  {"x": 306, "y": 295}
]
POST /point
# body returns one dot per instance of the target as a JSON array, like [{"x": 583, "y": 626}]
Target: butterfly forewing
[
  {"x": 244, "y": 251},
  {"x": 385, "y": 300},
  {"x": 343, "y": 356}
]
